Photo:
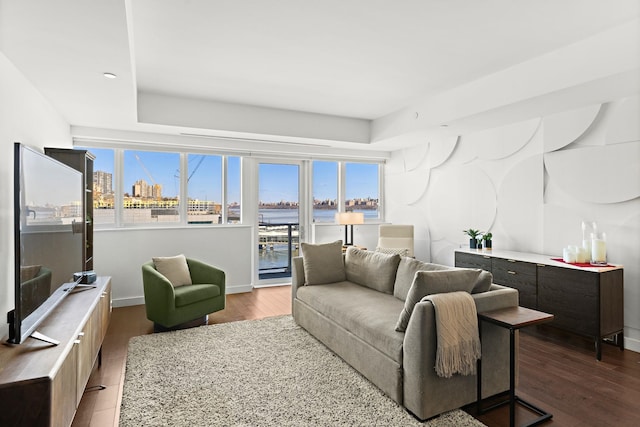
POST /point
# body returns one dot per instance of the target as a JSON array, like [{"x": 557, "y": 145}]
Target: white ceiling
[{"x": 356, "y": 59}]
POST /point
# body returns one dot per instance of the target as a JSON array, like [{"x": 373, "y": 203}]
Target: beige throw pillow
[
  {"x": 435, "y": 282},
  {"x": 374, "y": 270},
  {"x": 174, "y": 268},
  {"x": 322, "y": 263}
]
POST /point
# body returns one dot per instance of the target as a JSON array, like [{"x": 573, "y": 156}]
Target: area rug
[{"x": 266, "y": 372}]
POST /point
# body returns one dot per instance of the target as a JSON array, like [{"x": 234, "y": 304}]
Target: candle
[{"x": 598, "y": 251}]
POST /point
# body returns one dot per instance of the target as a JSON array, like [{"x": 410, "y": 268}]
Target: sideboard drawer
[
  {"x": 482, "y": 262},
  {"x": 519, "y": 275}
]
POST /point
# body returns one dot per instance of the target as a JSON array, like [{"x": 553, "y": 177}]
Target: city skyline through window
[{"x": 151, "y": 180}]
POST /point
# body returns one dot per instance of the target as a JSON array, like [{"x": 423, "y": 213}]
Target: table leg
[{"x": 512, "y": 377}]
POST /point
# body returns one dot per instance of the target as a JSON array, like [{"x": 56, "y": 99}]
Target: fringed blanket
[{"x": 458, "y": 341}]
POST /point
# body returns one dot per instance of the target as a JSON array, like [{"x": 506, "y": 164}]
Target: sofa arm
[
  {"x": 297, "y": 277},
  {"x": 425, "y": 393}
]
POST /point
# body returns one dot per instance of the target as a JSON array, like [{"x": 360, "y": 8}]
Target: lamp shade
[{"x": 349, "y": 218}]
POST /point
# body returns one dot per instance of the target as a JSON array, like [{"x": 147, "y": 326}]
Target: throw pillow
[
  {"x": 406, "y": 273},
  {"x": 174, "y": 268},
  {"x": 374, "y": 270},
  {"x": 392, "y": 251},
  {"x": 322, "y": 263},
  {"x": 435, "y": 282},
  {"x": 485, "y": 279}
]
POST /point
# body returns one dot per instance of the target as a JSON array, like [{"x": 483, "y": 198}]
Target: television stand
[
  {"x": 81, "y": 288},
  {"x": 38, "y": 336},
  {"x": 42, "y": 384}
]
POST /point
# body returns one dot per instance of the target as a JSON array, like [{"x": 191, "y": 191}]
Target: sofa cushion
[
  {"x": 323, "y": 263},
  {"x": 370, "y": 315},
  {"x": 174, "y": 268},
  {"x": 189, "y": 294},
  {"x": 407, "y": 270},
  {"x": 435, "y": 282},
  {"x": 374, "y": 270}
]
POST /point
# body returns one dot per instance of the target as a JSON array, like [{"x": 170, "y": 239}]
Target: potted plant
[
  {"x": 487, "y": 239},
  {"x": 474, "y": 236}
]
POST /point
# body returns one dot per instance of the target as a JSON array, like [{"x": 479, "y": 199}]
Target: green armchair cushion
[{"x": 190, "y": 294}]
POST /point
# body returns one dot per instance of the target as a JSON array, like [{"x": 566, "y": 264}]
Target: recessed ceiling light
[{"x": 109, "y": 75}]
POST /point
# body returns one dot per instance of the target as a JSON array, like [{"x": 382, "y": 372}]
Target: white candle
[
  {"x": 598, "y": 251},
  {"x": 583, "y": 255}
]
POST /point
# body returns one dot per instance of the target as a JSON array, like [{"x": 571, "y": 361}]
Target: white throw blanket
[{"x": 458, "y": 341}]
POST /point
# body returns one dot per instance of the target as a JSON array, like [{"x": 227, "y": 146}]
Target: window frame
[{"x": 118, "y": 183}]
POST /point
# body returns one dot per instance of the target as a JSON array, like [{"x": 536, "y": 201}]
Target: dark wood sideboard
[
  {"x": 584, "y": 300},
  {"x": 42, "y": 384}
]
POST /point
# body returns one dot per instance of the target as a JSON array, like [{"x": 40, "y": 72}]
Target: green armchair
[{"x": 170, "y": 307}]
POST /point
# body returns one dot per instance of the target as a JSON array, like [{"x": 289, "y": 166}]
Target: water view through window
[{"x": 278, "y": 208}]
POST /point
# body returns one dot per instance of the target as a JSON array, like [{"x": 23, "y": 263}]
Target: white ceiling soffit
[{"x": 339, "y": 72}]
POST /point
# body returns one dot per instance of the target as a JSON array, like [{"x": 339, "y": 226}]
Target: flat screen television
[{"x": 48, "y": 207}]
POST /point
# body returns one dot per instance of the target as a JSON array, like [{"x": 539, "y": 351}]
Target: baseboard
[
  {"x": 127, "y": 302},
  {"x": 238, "y": 289},
  {"x": 632, "y": 344}
]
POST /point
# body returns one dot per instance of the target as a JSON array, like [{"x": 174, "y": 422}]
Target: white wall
[
  {"x": 120, "y": 254},
  {"x": 27, "y": 117},
  {"x": 531, "y": 183}
]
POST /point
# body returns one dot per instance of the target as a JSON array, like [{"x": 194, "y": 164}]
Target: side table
[{"x": 513, "y": 318}]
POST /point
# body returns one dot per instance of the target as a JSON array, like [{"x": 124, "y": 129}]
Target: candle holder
[{"x": 598, "y": 250}]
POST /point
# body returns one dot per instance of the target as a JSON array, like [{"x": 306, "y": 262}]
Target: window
[
  {"x": 325, "y": 191},
  {"x": 362, "y": 189},
  {"x": 151, "y": 187},
  {"x": 204, "y": 189},
  {"x": 233, "y": 183}
]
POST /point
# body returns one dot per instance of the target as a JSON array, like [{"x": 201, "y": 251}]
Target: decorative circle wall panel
[
  {"x": 459, "y": 198},
  {"x": 520, "y": 198},
  {"x": 608, "y": 174},
  {"x": 503, "y": 141},
  {"x": 562, "y": 129},
  {"x": 440, "y": 150},
  {"x": 416, "y": 156},
  {"x": 624, "y": 124}
]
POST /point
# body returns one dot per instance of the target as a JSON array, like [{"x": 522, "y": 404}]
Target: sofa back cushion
[
  {"x": 323, "y": 263},
  {"x": 435, "y": 282},
  {"x": 408, "y": 268},
  {"x": 374, "y": 270}
]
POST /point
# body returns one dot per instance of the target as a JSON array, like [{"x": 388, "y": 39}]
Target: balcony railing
[{"x": 277, "y": 244}]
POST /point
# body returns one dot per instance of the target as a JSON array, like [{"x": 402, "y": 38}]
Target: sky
[{"x": 277, "y": 182}]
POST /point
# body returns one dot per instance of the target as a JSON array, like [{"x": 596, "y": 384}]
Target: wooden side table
[{"x": 513, "y": 318}]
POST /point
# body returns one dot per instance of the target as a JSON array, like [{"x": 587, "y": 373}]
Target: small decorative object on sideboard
[
  {"x": 486, "y": 237},
  {"x": 599, "y": 249},
  {"x": 474, "y": 236}
]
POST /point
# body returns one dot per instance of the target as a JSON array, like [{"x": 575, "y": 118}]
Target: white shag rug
[{"x": 268, "y": 372}]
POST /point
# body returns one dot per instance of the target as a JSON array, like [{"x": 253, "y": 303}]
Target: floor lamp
[{"x": 348, "y": 219}]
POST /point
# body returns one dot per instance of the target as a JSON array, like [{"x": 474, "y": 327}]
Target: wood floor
[{"x": 558, "y": 371}]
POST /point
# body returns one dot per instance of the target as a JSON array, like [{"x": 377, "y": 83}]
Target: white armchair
[{"x": 394, "y": 238}]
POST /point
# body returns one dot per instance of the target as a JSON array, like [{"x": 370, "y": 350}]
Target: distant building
[
  {"x": 141, "y": 189},
  {"x": 102, "y": 182}
]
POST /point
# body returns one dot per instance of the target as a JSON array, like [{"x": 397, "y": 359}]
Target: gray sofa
[{"x": 357, "y": 317}]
